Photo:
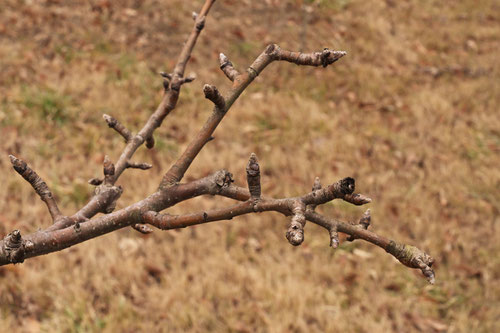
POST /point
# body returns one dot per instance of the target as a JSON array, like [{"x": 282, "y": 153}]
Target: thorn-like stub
[
  {"x": 95, "y": 181},
  {"x": 194, "y": 15}
]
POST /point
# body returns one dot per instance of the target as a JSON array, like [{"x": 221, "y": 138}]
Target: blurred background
[{"x": 411, "y": 112}]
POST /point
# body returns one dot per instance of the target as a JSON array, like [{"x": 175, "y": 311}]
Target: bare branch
[
  {"x": 38, "y": 185},
  {"x": 83, "y": 225}
]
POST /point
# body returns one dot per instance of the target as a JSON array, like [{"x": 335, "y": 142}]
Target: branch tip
[
  {"x": 227, "y": 67},
  {"x": 118, "y": 127},
  {"x": 413, "y": 257},
  {"x": 38, "y": 185}
]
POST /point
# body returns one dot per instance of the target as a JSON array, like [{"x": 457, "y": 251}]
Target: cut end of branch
[
  {"x": 346, "y": 185},
  {"x": 413, "y": 257}
]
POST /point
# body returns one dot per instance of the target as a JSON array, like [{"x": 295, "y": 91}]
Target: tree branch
[
  {"x": 272, "y": 53},
  {"x": 83, "y": 225}
]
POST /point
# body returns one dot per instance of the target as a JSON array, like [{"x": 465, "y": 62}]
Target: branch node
[
  {"x": 253, "y": 177},
  {"x": 213, "y": 94}
]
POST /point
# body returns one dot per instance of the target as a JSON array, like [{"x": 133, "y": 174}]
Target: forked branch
[{"x": 67, "y": 231}]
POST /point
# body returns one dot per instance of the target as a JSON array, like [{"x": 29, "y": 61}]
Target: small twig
[
  {"x": 117, "y": 126},
  {"x": 227, "y": 67},
  {"x": 38, "y": 185},
  {"x": 213, "y": 94}
]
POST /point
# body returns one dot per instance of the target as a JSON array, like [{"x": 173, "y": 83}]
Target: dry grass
[{"x": 411, "y": 113}]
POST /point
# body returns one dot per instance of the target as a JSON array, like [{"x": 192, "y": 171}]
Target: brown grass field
[{"x": 411, "y": 112}]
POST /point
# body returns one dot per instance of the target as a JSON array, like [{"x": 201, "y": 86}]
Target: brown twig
[{"x": 38, "y": 185}]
